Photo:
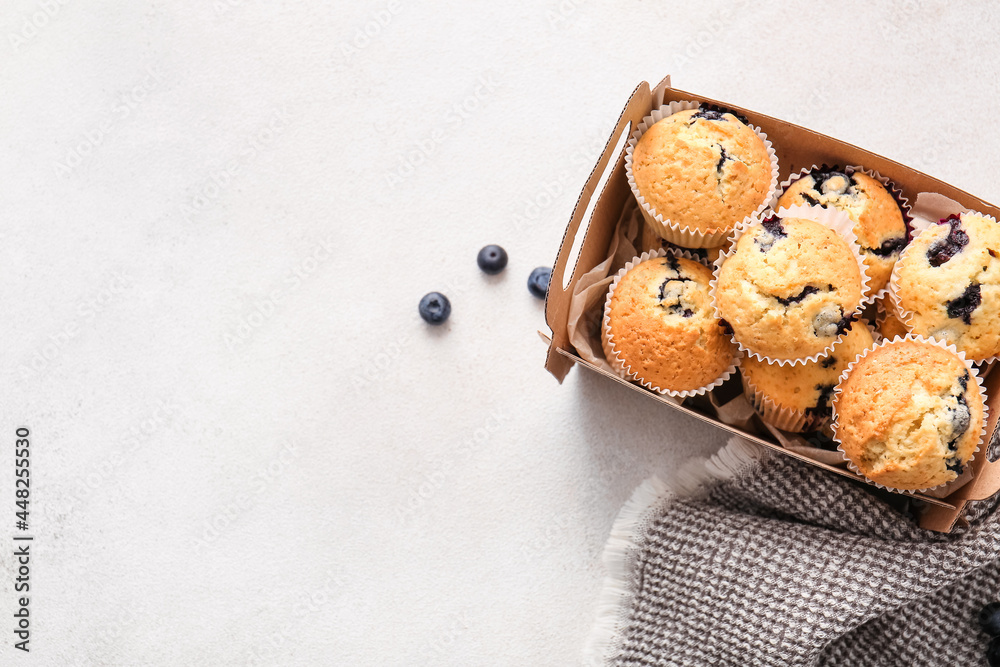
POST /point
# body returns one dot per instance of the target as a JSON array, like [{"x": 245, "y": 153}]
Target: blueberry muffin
[
  {"x": 948, "y": 284},
  {"x": 909, "y": 415},
  {"x": 798, "y": 397},
  {"x": 703, "y": 169},
  {"x": 660, "y": 324},
  {"x": 790, "y": 289},
  {"x": 878, "y": 220}
]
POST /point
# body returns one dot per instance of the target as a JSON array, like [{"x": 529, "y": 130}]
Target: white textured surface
[{"x": 329, "y": 481}]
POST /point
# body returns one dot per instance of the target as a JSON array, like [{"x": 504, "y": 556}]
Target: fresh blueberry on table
[
  {"x": 989, "y": 619},
  {"x": 492, "y": 259},
  {"x": 538, "y": 281},
  {"x": 993, "y": 652},
  {"x": 435, "y": 308}
]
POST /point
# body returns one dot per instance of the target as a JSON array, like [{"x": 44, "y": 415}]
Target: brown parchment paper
[{"x": 587, "y": 303}]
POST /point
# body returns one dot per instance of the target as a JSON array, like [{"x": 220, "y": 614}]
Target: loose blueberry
[
  {"x": 435, "y": 308},
  {"x": 538, "y": 281},
  {"x": 993, "y": 652},
  {"x": 989, "y": 619},
  {"x": 492, "y": 259}
]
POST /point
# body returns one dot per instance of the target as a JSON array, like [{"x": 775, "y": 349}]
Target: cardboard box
[{"x": 797, "y": 148}]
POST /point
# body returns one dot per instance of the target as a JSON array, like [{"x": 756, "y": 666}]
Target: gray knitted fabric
[{"x": 786, "y": 564}]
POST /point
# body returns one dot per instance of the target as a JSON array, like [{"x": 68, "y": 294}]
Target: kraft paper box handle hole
[
  {"x": 604, "y": 174},
  {"x": 569, "y": 252},
  {"x": 582, "y": 248}
]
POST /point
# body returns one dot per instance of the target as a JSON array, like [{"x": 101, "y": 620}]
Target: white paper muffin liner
[
  {"x": 973, "y": 371},
  {"x": 676, "y": 232},
  {"x": 834, "y": 219},
  {"x": 610, "y": 355},
  {"x": 894, "y": 191},
  {"x": 608, "y": 344},
  {"x": 882, "y": 304},
  {"x": 929, "y": 207},
  {"x": 906, "y": 316},
  {"x": 788, "y": 419}
]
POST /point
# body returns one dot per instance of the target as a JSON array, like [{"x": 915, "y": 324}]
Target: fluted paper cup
[
  {"x": 676, "y": 231},
  {"x": 783, "y": 417},
  {"x": 973, "y": 373},
  {"x": 608, "y": 343}
]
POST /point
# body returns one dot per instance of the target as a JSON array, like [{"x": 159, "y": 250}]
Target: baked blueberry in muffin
[
  {"x": 673, "y": 292},
  {"x": 947, "y": 247},
  {"x": 661, "y": 329},
  {"x": 948, "y": 284},
  {"x": 790, "y": 289},
  {"x": 879, "y": 222},
  {"x": 963, "y": 306},
  {"x": 959, "y": 417},
  {"x": 715, "y": 112}
]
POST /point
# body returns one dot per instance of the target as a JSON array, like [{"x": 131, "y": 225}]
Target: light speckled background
[{"x": 217, "y": 220}]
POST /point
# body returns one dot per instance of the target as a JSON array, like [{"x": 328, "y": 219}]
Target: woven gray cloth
[{"x": 785, "y": 564}]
